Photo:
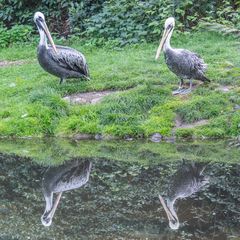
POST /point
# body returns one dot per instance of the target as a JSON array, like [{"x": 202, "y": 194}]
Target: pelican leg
[
  {"x": 180, "y": 88},
  {"x": 61, "y": 80},
  {"x": 189, "y": 90}
]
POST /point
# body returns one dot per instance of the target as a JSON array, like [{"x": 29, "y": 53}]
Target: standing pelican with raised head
[
  {"x": 63, "y": 62},
  {"x": 184, "y": 63},
  {"x": 187, "y": 180}
]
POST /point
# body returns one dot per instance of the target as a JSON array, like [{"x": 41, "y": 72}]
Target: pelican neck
[{"x": 167, "y": 44}]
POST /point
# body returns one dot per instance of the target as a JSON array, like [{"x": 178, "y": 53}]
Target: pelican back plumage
[
  {"x": 66, "y": 63},
  {"x": 186, "y": 64},
  {"x": 188, "y": 180}
]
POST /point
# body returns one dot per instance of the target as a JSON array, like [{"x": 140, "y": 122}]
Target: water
[{"x": 110, "y": 190}]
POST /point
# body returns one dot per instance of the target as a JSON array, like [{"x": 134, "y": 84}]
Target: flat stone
[
  {"x": 88, "y": 97},
  {"x": 156, "y": 137}
]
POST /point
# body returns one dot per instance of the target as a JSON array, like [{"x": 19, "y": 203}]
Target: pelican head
[
  {"x": 171, "y": 214},
  {"x": 168, "y": 29},
  {"x": 39, "y": 19},
  {"x": 46, "y": 219},
  {"x": 50, "y": 209}
]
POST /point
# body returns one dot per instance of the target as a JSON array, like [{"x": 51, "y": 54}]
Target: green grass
[
  {"x": 32, "y": 104},
  {"x": 55, "y": 151}
]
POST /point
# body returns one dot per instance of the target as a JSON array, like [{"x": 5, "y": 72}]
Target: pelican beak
[
  {"x": 46, "y": 30},
  {"x": 47, "y": 217},
  {"x": 173, "y": 221},
  {"x": 55, "y": 205},
  {"x": 164, "y": 37}
]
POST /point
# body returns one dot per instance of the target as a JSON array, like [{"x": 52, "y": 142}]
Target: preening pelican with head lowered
[
  {"x": 185, "y": 64},
  {"x": 63, "y": 62}
]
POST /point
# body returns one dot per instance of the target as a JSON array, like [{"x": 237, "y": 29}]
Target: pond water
[{"x": 62, "y": 189}]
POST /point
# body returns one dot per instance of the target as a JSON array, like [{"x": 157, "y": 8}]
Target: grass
[
  {"x": 32, "y": 104},
  {"x": 55, "y": 151}
]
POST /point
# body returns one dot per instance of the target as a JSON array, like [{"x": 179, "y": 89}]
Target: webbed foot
[
  {"x": 186, "y": 91},
  {"x": 178, "y": 91}
]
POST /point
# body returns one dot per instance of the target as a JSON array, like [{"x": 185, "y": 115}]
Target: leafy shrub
[
  {"x": 129, "y": 21},
  {"x": 17, "y": 34},
  {"x": 122, "y": 20}
]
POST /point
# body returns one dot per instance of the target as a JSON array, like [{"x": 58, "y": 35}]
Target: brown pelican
[
  {"x": 185, "y": 64},
  {"x": 61, "y": 61},
  {"x": 59, "y": 179},
  {"x": 185, "y": 182}
]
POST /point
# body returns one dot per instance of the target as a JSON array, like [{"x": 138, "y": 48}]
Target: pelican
[
  {"x": 63, "y": 62},
  {"x": 186, "y": 181},
  {"x": 184, "y": 63},
  {"x": 59, "y": 179}
]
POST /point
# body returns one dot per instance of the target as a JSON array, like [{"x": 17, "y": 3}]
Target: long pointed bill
[
  {"x": 170, "y": 216},
  {"x": 45, "y": 28},
  {"x": 164, "y": 37},
  {"x": 55, "y": 205},
  {"x": 48, "y": 215}
]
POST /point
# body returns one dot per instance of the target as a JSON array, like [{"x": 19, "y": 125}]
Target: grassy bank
[
  {"x": 32, "y": 104},
  {"x": 55, "y": 151}
]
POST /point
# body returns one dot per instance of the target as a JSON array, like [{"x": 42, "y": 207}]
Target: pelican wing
[
  {"x": 196, "y": 63},
  {"x": 70, "y": 59},
  {"x": 185, "y": 64},
  {"x": 192, "y": 63}
]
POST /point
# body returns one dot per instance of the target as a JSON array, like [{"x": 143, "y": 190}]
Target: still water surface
[{"x": 60, "y": 189}]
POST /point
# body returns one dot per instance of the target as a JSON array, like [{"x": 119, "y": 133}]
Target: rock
[
  {"x": 236, "y": 107},
  {"x": 128, "y": 138},
  {"x": 98, "y": 137},
  {"x": 156, "y": 137}
]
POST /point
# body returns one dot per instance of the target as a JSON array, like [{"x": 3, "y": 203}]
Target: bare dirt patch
[
  {"x": 89, "y": 97},
  {"x": 10, "y": 63},
  {"x": 195, "y": 124},
  {"x": 180, "y": 124},
  {"x": 225, "y": 88}
]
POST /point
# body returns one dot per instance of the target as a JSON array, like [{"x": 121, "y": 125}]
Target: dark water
[{"x": 110, "y": 190}]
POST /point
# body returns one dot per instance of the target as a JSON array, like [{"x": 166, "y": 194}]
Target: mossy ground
[{"x": 32, "y": 104}]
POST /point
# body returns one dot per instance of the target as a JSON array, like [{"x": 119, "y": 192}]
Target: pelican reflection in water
[
  {"x": 59, "y": 179},
  {"x": 187, "y": 180}
]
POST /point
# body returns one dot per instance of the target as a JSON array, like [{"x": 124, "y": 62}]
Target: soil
[
  {"x": 180, "y": 124},
  {"x": 10, "y": 63},
  {"x": 88, "y": 97}
]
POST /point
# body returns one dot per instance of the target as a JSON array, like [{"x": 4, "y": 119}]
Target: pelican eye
[{"x": 170, "y": 26}]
